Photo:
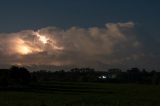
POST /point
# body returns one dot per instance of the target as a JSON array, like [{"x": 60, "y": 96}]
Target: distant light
[{"x": 103, "y": 77}]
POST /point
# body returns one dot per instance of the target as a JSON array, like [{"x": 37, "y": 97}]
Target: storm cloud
[{"x": 114, "y": 44}]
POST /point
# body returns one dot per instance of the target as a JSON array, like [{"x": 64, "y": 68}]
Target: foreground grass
[{"x": 82, "y": 94}]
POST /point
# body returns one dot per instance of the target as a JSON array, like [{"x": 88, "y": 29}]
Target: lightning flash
[{"x": 38, "y": 44}]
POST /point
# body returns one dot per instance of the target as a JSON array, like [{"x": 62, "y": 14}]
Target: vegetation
[
  {"x": 79, "y": 87},
  {"x": 133, "y": 75},
  {"x": 82, "y": 94}
]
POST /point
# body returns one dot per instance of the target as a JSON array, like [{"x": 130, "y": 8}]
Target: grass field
[{"x": 82, "y": 94}]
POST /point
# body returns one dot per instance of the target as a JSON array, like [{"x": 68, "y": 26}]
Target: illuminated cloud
[{"x": 113, "y": 44}]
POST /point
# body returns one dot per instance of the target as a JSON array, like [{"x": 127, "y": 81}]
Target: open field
[{"x": 81, "y": 94}]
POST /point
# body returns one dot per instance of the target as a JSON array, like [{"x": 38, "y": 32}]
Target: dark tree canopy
[{"x": 20, "y": 75}]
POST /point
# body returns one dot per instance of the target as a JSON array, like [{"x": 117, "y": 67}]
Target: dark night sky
[
  {"x": 17, "y": 15},
  {"x": 28, "y": 14}
]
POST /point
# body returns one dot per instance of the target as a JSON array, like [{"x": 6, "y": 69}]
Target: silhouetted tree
[
  {"x": 4, "y": 77},
  {"x": 20, "y": 75},
  {"x": 134, "y": 75},
  {"x": 154, "y": 77}
]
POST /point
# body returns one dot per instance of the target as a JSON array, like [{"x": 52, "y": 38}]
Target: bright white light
[
  {"x": 42, "y": 38},
  {"x": 24, "y": 50},
  {"x": 47, "y": 40},
  {"x": 103, "y": 77}
]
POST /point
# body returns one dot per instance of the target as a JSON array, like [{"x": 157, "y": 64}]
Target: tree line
[{"x": 20, "y": 76}]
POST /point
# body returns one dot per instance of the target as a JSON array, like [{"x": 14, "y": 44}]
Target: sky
[{"x": 115, "y": 33}]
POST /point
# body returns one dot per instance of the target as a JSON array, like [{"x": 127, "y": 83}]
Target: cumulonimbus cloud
[{"x": 113, "y": 44}]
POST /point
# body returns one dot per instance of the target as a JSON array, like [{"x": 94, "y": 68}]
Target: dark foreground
[{"x": 81, "y": 94}]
